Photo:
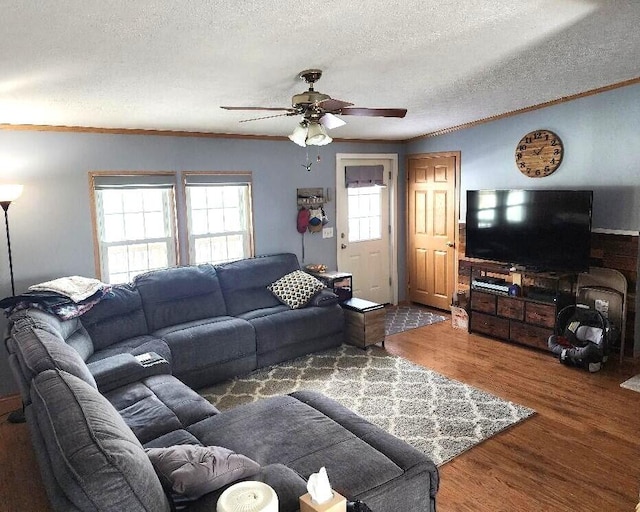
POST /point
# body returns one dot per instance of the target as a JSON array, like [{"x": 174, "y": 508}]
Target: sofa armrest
[
  {"x": 324, "y": 297},
  {"x": 115, "y": 371}
]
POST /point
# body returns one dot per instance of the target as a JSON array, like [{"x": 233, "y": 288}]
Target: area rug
[
  {"x": 437, "y": 415},
  {"x": 633, "y": 383},
  {"x": 403, "y": 318}
]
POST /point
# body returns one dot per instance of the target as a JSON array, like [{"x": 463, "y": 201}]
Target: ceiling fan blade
[
  {"x": 373, "y": 112},
  {"x": 331, "y": 105},
  {"x": 329, "y": 121},
  {"x": 288, "y": 109},
  {"x": 267, "y": 117}
]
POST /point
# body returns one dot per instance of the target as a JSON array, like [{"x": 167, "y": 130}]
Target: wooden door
[{"x": 432, "y": 209}]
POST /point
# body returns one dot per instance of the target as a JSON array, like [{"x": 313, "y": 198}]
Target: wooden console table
[{"x": 528, "y": 319}]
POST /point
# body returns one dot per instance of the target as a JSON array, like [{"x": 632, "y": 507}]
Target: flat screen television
[{"x": 543, "y": 230}]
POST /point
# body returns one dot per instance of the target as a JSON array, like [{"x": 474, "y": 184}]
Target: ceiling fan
[{"x": 318, "y": 111}]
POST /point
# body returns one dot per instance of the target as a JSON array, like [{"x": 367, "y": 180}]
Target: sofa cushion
[
  {"x": 258, "y": 313},
  {"x": 72, "y": 331},
  {"x": 293, "y": 326},
  {"x": 119, "y": 316},
  {"x": 203, "y": 343},
  {"x": 38, "y": 349},
  {"x": 193, "y": 471},
  {"x": 296, "y": 288},
  {"x": 174, "y": 296},
  {"x": 244, "y": 283},
  {"x": 310, "y": 440},
  {"x": 97, "y": 461},
  {"x": 159, "y": 405},
  {"x": 180, "y": 436}
]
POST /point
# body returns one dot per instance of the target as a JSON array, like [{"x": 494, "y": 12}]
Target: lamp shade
[
  {"x": 10, "y": 193},
  {"x": 317, "y": 135},
  {"x": 299, "y": 135}
]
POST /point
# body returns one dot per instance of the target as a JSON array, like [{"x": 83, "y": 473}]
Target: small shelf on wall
[{"x": 311, "y": 196}]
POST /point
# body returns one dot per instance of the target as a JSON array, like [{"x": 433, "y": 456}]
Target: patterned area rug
[
  {"x": 633, "y": 383},
  {"x": 403, "y": 318},
  {"x": 440, "y": 416}
]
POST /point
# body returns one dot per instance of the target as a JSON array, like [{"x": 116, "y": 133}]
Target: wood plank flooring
[{"x": 580, "y": 452}]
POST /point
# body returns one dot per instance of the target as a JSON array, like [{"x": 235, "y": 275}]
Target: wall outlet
[{"x": 327, "y": 232}]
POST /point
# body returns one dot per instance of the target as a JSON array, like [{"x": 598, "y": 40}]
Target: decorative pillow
[
  {"x": 296, "y": 288},
  {"x": 192, "y": 471}
]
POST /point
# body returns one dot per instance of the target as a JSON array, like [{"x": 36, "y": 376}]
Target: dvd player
[
  {"x": 490, "y": 280},
  {"x": 501, "y": 288}
]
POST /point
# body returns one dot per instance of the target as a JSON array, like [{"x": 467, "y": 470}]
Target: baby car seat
[{"x": 581, "y": 337}]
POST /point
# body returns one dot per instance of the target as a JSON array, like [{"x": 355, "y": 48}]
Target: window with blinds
[
  {"x": 219, "y": 217},
  {"x": 139, "y": 225},
  {"x": 135, "y": 224}
]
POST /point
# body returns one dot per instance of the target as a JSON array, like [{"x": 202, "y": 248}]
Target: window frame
[
  {"x": 178, "y": 208},
  {"x": 129, "y": 179},
  {"x": 218, "y": 178}
]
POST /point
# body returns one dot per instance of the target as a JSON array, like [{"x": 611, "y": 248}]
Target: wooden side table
[
  {"x": 365, "y": 322},
  {"x": 338, "y": 282}
]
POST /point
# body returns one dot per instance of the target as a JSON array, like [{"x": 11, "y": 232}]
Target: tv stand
[{"x": 528, "y": 319}]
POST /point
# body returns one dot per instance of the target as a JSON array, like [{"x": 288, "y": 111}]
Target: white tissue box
[{"x": 337, "y": 504}]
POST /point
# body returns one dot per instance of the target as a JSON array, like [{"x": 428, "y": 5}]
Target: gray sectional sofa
[{"x": 93, "y": 404}]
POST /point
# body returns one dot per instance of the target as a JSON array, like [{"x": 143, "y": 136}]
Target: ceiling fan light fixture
[
  {"x": 329, "y": 121},
  {"x": 299, "y": 135},
  {"x": 317, "y": 135}
]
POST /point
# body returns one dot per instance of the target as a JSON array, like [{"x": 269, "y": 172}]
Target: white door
[{"x": 365, "y": 239}]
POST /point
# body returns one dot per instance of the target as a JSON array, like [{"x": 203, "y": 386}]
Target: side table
[
  {"x": 365, "y": 322},
  {"x": 338, "y": 282}
]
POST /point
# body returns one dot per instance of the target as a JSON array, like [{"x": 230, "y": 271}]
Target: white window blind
[
  {"x": 135, "y": 224},
  {"x": 219, "y": 217}
]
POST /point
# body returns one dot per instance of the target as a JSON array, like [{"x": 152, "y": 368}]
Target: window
[
  {"x": 139, "y": 225},
  {"x": 135, "y": 225},
  {"x": 219, "y": 217},
  {"x": 364, "y": 185},
  {"x": 365, "y": 213}
]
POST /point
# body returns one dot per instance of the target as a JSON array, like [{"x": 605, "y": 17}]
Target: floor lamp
[{"x": 9, "y": 193}]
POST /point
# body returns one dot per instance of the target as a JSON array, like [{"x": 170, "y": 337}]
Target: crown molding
[
  {"x": 523, "y": 110},
  {"x": 214, "y": 135}
]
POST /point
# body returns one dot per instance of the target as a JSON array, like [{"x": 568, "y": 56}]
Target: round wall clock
[{"x": 539, "y": 153}]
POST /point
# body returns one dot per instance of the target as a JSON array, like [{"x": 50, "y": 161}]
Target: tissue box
[{"x": 337, "y": 504}]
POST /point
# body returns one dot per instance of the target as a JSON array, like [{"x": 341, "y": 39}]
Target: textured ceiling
[{"x": 170, "y": 65}]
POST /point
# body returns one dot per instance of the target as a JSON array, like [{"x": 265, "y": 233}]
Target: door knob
[
  {"x": 451, "y": 244},
  {"x": 343, "y": 246}
]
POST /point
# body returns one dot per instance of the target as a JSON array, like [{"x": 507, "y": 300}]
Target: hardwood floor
[{"x": 580, "y": 452}]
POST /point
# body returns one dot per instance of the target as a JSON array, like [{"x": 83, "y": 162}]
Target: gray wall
[
  {"x": 51, "y": 226},
  {"x": 601, "y": 136},
  {"x": 51, "y": 231}
]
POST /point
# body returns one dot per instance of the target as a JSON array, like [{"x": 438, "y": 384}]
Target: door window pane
[{"x": 365, "y": 219}]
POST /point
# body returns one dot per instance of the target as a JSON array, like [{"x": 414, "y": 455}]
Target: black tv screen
[{"x": 544, "y": 230}]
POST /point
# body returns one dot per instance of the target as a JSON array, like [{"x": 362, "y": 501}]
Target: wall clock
[{"x": 539, "y": 153}]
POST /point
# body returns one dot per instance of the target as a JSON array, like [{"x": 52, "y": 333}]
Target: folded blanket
[
  {"x": 77, "y": 288},
  {"x": 54, "y": 303}
]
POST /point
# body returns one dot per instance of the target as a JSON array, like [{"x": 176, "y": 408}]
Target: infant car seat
[{"x": 581, "y": 338}]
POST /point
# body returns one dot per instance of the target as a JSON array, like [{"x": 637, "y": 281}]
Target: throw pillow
[
  {"x": 296, "y": 288},
  {"x": 192, "y": 470}
]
